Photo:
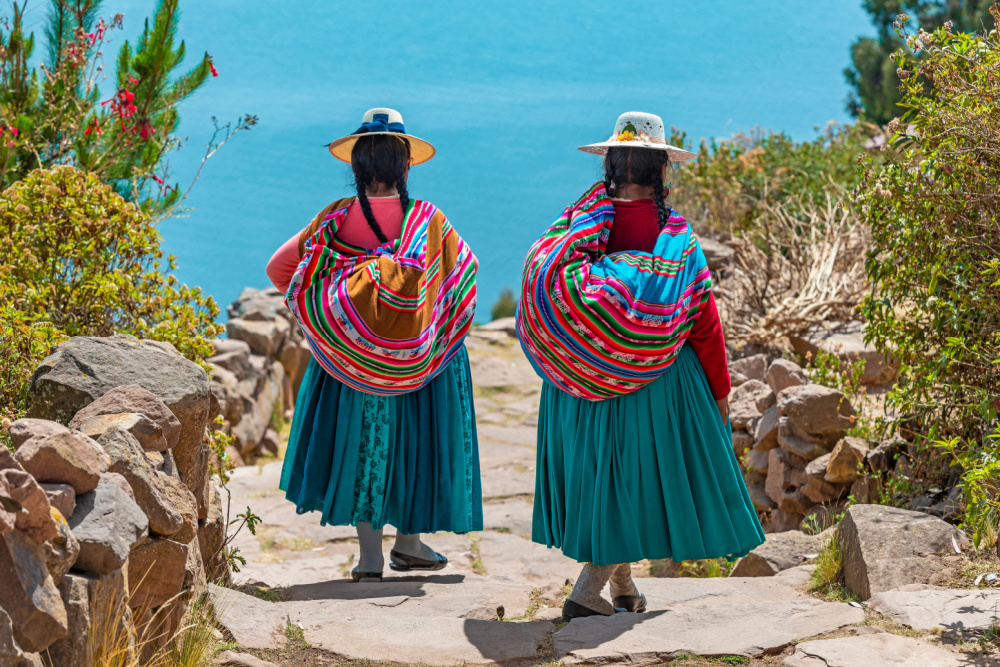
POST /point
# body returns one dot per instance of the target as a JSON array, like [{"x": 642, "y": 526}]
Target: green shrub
[
  {"x": 735, "y": 180},
  {"x": 24, "y": 345},
  {"x": 506, "y": 305},
  {"x": 933, "y": 211},
  {"x": 89, "y": 263}
]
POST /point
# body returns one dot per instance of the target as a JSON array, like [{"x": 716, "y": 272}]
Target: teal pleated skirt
[
  {"x": 650, "y": 474},
  {"x": 410, "y": 461}
]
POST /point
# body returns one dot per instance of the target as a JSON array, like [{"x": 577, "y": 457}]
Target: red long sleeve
[{"x": 708, "y": 343}]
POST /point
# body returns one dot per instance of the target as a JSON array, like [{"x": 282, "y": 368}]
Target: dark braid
[
  {"x": 380, "y": 158},
  {"x": 638, "y": 166}
]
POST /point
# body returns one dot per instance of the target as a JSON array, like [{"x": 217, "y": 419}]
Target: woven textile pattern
[
  {"x": 384, "y": 321},
  {"x": 599, "y": 326}
]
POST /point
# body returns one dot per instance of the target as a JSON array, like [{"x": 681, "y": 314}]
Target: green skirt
[{"x": 650, "y": 474}]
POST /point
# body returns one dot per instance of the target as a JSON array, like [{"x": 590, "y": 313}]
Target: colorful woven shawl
[
  {"x": 597, "y": 325},
  {"x": 384, "y": 321}
]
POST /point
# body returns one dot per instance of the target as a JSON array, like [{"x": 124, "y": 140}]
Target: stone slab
[
  {"x": 514, "y": 557},
  {"x": 691, "y": 592},
  {"x": 723, "y": 628},
  {"x": 878, "y": 650},
  {"x": 252, "y": 623},
  {"x": 292, "y": 572},
  {"x": 429, "y": 641},
  {"x": 939, "y": 609},
  {"x": 513, "y": 514}
]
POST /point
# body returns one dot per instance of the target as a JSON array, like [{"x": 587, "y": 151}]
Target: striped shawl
[
  {"x": 597, "y": 325},
  {"x": 384, "y": 321}
]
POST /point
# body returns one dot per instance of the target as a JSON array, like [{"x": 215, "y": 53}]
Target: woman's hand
[{"x": 723, "y": 404}]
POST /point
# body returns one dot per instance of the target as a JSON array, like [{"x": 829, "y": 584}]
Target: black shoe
[
  {"x": 358, "y": 575},
  {"x": 573, "y": 610},
  {"x": 633, "y": 603},
  {"x": 413, "y": 564}
]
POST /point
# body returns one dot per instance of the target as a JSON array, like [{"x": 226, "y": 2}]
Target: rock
[
  {"x": 736, "y": 379},
  {"x": 951, "y": 507},
  {"x": 75, "y": 649},
  {"x": 785, "y": 476},
  {"x": 749, "y": 400},
  {"x": 252, "y": 623},
  {"x": 133, "y": 399},
  {"x": 865, "y": 490},
  {"x": 107, "y": 523},
  {"x": 35, "y": 519},
  {"x": 295, "y": 358},
  {"x": 157, "y": 494},
  {"x": 718, "y": 255},
  {"x": 782, "y": 374},
  {"x": 59, "y": 390},
  {"x": 753, "y": 367},
  {"x": 256, "y": 418},
  {"x": 506, "y": 325},
  {"x": 271, "y": 441},
  {"x": 61, "y": 551},
  {"x": 765, "y": 435},
  {"x": 795, "y": 577},
  {"x": 803, "y": 445},
  {"x": 817, "y": 467},
  {"x": 872, "y": 650},
  {"x": 883, "y": 457},
  {"x": 156, "y": 571},
  {"x": 64, "y": 458},
  {"x": 884, "y": 547},
  {"x": 844, "y": 460},
  {"x": 269, "y": 302},
  {"x": 24, "y": 429},
  {"x": 817, "y": 410},
  {"x": 758, "y": 496},
  {"x": 148, "y": 433},
  {"x": 235, "y": 362},
  {"x": 11, "y": 654},
  {"x": 779, "y": 552},
  {"x": 28, "y": 594},
  {"x": 265, "y": 337},
  {"x": 782, "y": 521},
  {"x": 233, "y": 659},
  {"x": 211, "y": 536},
  {"x": 757, "y": 460},
  {"x": 742, "y": 441},
  {"x": 819, "y": 490},
  {"x": 848, "y": 344},
  {"x": 932, "y": 610},
  {"x": 752, "y": 629},
  {"x": 61, "y": 496}
]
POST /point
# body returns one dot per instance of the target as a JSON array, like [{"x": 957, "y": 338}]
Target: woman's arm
[
  {"x": 283, "y": 263},
  {"x": 709, "y": 344}
]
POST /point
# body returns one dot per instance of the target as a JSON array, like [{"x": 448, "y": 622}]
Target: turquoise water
[{"x": 505, "y": 90}]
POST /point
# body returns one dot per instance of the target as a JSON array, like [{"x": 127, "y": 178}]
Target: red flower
[
  {"x": 146, "y": 131},
  {"x": 157, "y": 179},
  {"x": 215, "y": 72}
]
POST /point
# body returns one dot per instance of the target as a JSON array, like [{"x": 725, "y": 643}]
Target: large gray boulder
[
  {"x": 81, "y": 370},
  {"x": 107, "y": 523},
  {"x": 884, "y": 548},
  {"x": 29, "y": 595}
]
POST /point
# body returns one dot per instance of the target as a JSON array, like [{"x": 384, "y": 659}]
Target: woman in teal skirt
[
  {"x": 358, "y": 456},
  {"x": 635, "y": 457}
]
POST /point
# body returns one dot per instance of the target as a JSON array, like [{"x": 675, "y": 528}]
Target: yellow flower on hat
[{"x": 626, "y": 136}]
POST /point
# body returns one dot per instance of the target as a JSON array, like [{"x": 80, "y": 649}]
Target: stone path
[{"x": 498, "y": 601}]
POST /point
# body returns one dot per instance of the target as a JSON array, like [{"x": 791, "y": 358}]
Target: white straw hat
[
  {"x": 636, "y": 129},
  {"x": 382, "y": 121}
]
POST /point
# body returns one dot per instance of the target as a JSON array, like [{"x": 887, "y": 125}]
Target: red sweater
[{"x": 636, "y": 227}]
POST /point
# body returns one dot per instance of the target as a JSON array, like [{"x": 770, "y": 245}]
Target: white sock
[
  {"x": 589, "y": 585},
  {"x": 371, "y": 559},
  {"x": 412, "y": 546},
  {"x": 621, "y": 581}
]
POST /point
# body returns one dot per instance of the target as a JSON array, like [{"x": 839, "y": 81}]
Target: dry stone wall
[{"x": 107, "y": 514}]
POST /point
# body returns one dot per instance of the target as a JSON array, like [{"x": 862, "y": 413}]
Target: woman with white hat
[
  {"x": 616, "y": 314},
  {"x": 384, "y": 431}
]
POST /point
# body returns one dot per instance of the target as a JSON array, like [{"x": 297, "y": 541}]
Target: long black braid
[
  {"x": 380, "y": 158},
  {"x": 625, "y": 165}
]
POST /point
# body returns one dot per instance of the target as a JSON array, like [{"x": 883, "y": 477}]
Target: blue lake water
[{"x": 505, "y": 90}]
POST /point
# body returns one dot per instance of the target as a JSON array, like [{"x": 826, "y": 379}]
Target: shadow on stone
[{"x": 347, "y": 589}]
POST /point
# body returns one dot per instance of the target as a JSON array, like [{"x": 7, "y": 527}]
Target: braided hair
[
  {"x": 624, "y": 165},
  {"x": 380, "y": 158}
]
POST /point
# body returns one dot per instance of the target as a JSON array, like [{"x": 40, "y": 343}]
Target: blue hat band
[{"x": 380, "y": 123}]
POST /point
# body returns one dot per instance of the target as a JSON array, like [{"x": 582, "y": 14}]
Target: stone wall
[
  {"x": 109, "y": 525},
  {"x": 256, "y": 372}
]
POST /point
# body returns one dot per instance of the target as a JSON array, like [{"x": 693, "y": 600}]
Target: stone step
[{"x": 880, "y": 650}]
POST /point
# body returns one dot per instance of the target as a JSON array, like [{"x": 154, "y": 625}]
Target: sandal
[
  {"x": 412, "y": 563},
  {"x": 632, "y": 603},
  {"x": 357, "y": 575},
  {"x": 573, "y": 610}
]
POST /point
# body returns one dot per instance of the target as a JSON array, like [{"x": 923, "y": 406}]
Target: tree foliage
[
  {"x": 934, "y": 213},
  {"x": 53, "y": 113},
  {"x": 872, "y": 74}
]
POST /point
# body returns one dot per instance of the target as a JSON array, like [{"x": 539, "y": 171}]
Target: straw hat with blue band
[{"x": 382, "y": 121}]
